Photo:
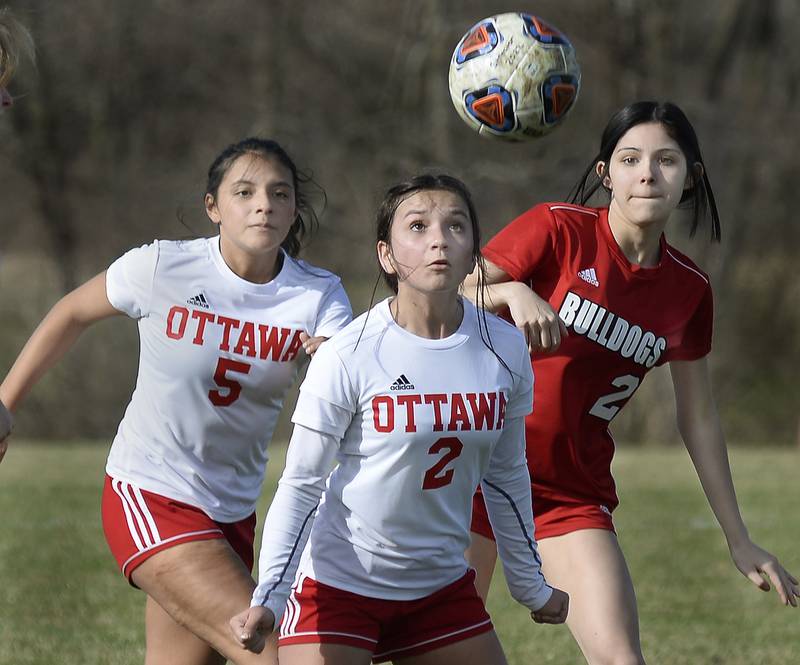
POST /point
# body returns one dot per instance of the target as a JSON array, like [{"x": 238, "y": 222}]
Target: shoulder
[
  {"x": 505, "y": 338},
  {"x": 310, "y": 276},
  {"x": 570, "y": 214},
  {"x": 557, "y": 216},
  {"x": 684, "y": 268},
  {"x": 360, "y": 336}
]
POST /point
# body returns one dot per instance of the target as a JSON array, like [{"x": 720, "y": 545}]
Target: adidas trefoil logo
[
  {"x": 402, "y": 383},
  {"x": 199, "y": 301},
  {"x": 589, "y": 275}
]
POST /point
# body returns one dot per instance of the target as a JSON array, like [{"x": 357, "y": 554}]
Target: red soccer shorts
[
  {"x": 317, "y": 613},
  {"x": 551, "y": 518},
  {"x": 139, "y": 524}
]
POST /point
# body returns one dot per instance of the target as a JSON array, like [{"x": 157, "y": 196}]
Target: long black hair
[
  {"x": 677, "y": 125},
  {"x": 306, "y": 221}
]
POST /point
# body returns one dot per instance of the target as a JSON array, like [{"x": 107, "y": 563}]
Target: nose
[
  {"x": 648, "y": 174},
  {"x": 263, "y": 202},
  {"x": 438, "y": 236},
  {"x": 6, "y": 100}
]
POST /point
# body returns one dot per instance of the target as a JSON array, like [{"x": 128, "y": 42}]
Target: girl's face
[
  {"x": 647, "y": 174},
  {"x": 255, "y": 204},
  {"x": 430, "y": 242}
]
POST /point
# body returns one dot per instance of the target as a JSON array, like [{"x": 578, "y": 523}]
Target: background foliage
[{"x": 108, "y": 146}]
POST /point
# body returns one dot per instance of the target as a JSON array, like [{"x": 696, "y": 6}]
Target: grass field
[{"x": 62, "y": 599}]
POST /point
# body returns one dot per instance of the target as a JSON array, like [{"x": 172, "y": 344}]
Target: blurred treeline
[{"x": 108, "y": 145}]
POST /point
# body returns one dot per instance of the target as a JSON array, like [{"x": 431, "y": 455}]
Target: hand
[
  {"x": 755, "y": 564},
  {"x": 252, "y": 627},
  {"x": 311, "y": 344},
  {"x": 554, "y": 610},
  {"x": 6, "y": 425},
  {"x": 542, "y": 327}
]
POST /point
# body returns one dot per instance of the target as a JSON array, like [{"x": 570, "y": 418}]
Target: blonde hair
[{"x": 16, "y": 44}]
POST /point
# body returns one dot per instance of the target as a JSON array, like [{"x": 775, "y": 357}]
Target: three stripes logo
[
  {"x": 199, "y": 301},
  {"x": 589, "y": 275},
  {"x": 402, "y": 383}
]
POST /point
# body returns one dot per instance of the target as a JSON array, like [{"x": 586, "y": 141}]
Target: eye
[
  {"x": 244, "y": 193},
  {"x": 282, "y": 194},
  {"x": 629, "y": 160},
  {"x": 666, "y": 159},
  {"x": 457, "y": 226},
  {"x": 416, "y": 226}
]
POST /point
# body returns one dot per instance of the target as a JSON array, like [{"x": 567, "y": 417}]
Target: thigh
[
  {"x": 323, "y": 654},
  {"x": 483, "y": 649},
  {"x": 169, "y": 643},
  {"x": 482, "y": 556},
  {"x": 589, "y": 565},
  {"x": 201, "y": 585}
]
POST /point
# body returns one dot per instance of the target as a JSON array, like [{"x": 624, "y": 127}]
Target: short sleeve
[
  {"x": 129, "y": 280},
  {"x": 524, "y": 244},
  {"x": 520, "y": 402},
  {"x": 327, "y": 401},
  {"x": 334, "y": 312},
  {"x": 696, "y": 339}
]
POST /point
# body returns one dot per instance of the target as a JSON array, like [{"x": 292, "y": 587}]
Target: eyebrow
[
  {"x": 635, "y": 149},
  {"x": 279, "y": 183},
  {"x": 451, "y": 211}
]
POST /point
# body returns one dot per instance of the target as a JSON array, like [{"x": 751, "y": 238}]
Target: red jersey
[{"x": 623, "y": 319}]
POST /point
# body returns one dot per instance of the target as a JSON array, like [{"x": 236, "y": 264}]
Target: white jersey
[
  {"x": 415, "y": 425},
  {"x": 217, "y": 356}
]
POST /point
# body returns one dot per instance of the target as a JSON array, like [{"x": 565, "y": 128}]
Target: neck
[
  {"x": 429, "y": 315},
  {"x": 639, "y": 242},
  {"x": 256, "y": 268}
]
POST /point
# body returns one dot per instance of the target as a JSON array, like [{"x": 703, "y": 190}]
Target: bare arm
[
  {"x": 54, "y": 336},
  {"x": 699, "y": 425},
  {"x": 540, "y": 324}
]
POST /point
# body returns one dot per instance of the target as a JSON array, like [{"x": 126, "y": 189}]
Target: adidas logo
[
  {"x": 589, "y": 275},
  {"x": 199, "y": 301},
  {"x": 402, "y": 383}
]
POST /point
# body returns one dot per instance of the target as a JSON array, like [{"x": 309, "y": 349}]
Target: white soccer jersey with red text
[
  {"x": 415, "y": 424},
  {"x": 217, "y": 356}
]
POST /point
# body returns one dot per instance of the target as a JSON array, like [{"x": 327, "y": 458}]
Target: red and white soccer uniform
[
  {"x": 415, "y": 425},
  {"x": 623, "y": 319},
  {"x": 218, "y": 354}
]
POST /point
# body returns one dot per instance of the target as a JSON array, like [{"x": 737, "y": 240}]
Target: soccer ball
[{"x": 514, "y": 77}]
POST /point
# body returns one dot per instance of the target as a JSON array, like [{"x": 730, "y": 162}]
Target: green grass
[{"x": 62, "y": 599}]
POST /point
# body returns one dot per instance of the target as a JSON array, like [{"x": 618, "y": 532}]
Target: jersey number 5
[
  {"x": 221, "y": 378},
  {"x": 604, "y": 407},
  {"x": 436, "y": 476}
]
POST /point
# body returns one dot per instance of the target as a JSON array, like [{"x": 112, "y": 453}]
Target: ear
[
  {"x": 602, "y": 173},
  {"x": 211, "y": 209},
  {"x": 693, "y": 176},
  {"x": 385, "y": 257}
]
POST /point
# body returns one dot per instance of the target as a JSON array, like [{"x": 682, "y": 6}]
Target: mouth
[{"x": 439, "y": 264}]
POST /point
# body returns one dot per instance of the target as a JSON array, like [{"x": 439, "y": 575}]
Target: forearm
[
  {"x": 55, "y": 336},
  {"x": 507, "y": 493},
  {"x": 495, "y": 296},
  {"x": 50, "y": 341},
  {"x": 705, "y": 443},
  {"x": 291, "y": 515}
]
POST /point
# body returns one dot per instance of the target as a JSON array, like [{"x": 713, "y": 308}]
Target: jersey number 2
[
  {"x": 221, "y": 378},
  {"x": 602, "y": 407},
  {"x": 436, "y": 476}
]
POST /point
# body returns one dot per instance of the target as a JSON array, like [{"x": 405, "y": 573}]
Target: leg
[
  {"x": 200, "y": 585},
  {"x": 323, "y": 654},
  {"x": 589, "y": 565},
  {"x": 169, "y": 643},
  {"x": 483, "y": 649},
  {"x": 482, "y": 555}
]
